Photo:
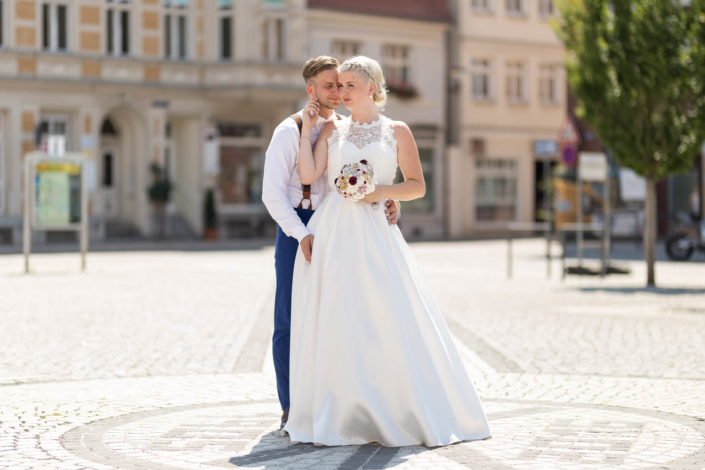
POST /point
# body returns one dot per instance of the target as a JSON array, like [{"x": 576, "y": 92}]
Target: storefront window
[
  {"x": 240, "y": 179},
  {"x": 239, "y": 130},
  {"x": 495, "y": 190}
]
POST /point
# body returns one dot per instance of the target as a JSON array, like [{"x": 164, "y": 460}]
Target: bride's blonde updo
[{"x": 372, "y": 72}]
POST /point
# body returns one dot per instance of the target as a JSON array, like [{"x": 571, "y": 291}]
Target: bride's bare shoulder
[{"x": 401, "y": 130}]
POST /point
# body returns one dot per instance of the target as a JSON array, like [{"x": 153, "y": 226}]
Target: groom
[{"x": 291, "y": 205}]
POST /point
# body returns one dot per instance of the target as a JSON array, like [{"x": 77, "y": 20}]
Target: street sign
[
  {"x": 568, "y": 134},
  {"x": 545, "y": 148},
  {"x": 592, "y": 166},
  {"x": 631, "y": 186},
  {"x": 569, "y": 155}
]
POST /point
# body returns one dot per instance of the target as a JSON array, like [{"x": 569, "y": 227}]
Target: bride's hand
[{"x": 310, "y": 119}]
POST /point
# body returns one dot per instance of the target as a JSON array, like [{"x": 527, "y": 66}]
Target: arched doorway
[
  {"x": 109, "y": 158},
  {"x": 122, "y": 163}
]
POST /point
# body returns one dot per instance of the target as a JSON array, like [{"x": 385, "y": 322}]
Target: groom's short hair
[{"x": 317, "y": 65}]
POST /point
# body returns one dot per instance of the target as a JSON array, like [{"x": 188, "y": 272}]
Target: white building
[
  {"x": 409, "y": 39},
  {"x": 508, "y": 92}
]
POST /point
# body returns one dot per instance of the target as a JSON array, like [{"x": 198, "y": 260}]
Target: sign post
[
  {"x": 592, "y": 166},
  {"x": 56, "y": 198},
  {"x": 547, "y": 149}
]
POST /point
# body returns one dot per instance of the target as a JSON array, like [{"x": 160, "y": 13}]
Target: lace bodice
[{"x": 352, "y": 142}]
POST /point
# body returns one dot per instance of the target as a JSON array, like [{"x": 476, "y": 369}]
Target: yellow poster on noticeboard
[{"x": 58, "y": 193}]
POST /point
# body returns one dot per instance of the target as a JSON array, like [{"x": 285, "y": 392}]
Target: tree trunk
[{"x": 650, "y": 223}]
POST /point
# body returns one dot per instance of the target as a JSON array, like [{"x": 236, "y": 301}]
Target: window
[
  {"x": 2, "y": 32},
  {"x": 169, "y": 153},
  {"x": 483, "y": 6},
  {"x": 241, "y": 162},
  {"x": 117, "y": 17},
  {"x": 240, "y": 178},
  {"x": 395, "y": 62},
  {"x": 495, "y": 190},
  {"x": 226, "y": 37},
  {"x": 545, "y": 8},
  {"x": 108, "y": 162},
  {"x": 516, "y": 8},
  {"x": 273, "y": 39},
  {"x": 516, "y": 82},
  {"x": 176, "y": 30},
  {"x": 225, "y": 29},
  {"x": 54, "y": 27},
  {"x": 482, "y": 80},
  {"x": 228, "y": 129},
  {"x": 53, "y": 124},
  {"x": 345, "y": 49},
  {"x": 548, "y": 84}
]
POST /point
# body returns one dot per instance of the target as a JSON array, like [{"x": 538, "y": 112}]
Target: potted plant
[
  {"x": 159, "y": 193},
  {"x": 402, "y": 89},
  {"x": 210, "y": 217}
]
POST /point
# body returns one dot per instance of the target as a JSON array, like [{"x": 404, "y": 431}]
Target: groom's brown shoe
[{"x": 285, "y": 418}]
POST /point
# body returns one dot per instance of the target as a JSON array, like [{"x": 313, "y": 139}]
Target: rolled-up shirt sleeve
[{"x": 279, "y": 162}]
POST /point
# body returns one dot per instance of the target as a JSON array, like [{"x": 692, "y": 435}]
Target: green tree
[{"x": 637, "y": 68}]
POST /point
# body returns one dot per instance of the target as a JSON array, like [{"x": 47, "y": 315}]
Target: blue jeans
[{"x": 284, "y": 257}]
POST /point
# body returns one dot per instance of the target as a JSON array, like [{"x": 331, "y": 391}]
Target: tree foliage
[{"x": 637, "y": 68}]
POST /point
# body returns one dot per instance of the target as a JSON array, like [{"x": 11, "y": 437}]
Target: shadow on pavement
[
  {"x": 625, "y": 251},
  {"x": 142, "y": 245},
  {"x": 653, "y": 290},
  {"x": 263, "y": 455}
]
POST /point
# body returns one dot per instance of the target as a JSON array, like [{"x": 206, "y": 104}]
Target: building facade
[
  {"x": 409, "y": 40},
  {"x": 196, "y": 86},
  {"x": 507, "y": 92}
]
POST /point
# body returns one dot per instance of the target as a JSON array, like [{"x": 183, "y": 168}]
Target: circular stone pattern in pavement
[{"x": 529, "y": 435}]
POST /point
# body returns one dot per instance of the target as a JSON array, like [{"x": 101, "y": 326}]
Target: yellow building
[
  {"x": 194, "y": 85},
  {"x": 507, "y": 93}
]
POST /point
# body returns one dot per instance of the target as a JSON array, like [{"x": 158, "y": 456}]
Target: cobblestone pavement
[{"x": 160, "y": 360}]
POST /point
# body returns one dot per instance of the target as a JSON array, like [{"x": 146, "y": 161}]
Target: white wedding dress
[{"x": 371, "y": 358}]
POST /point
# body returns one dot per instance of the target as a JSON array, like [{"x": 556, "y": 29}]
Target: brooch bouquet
[{"x": 356, "y": 180}]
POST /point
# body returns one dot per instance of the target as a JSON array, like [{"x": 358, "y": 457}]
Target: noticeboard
[
  {"x": 56, "y": 198},
  {"x": 57, "y": 186}
]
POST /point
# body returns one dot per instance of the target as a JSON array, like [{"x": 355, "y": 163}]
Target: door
[{"x": 108, "y": 181}]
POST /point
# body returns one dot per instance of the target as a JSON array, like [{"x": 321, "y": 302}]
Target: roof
[{"x": 426, "y": 10}]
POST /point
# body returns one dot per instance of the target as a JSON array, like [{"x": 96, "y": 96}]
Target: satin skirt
[{"x": 372, "y": 359}]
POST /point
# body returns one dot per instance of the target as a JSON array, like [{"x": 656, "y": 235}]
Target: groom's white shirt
[{"x": 281, "y": 189}]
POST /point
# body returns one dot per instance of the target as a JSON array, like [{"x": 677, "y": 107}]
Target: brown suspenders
[{"x": 306, "y": 188}]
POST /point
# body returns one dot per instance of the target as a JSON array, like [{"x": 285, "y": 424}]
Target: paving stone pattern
[{"x": 161, "y": 360}]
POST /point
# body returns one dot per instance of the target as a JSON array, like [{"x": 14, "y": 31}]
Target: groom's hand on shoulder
[
  {"x": 392, "y": 211},
  {"x": 307, "y": 247}
]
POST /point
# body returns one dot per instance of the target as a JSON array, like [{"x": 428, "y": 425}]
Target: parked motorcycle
[{"x": 690, "y": 236}]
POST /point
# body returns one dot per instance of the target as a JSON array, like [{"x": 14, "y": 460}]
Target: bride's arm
[
  {"x": 313, "y": 162},
  {"x": 413, "y": 186}
]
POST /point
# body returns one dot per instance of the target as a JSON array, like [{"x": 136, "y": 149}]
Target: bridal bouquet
[{"x": 356, "y": 180}]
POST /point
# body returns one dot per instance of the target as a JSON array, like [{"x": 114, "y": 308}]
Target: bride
[{"x": 371, "y": 358}]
